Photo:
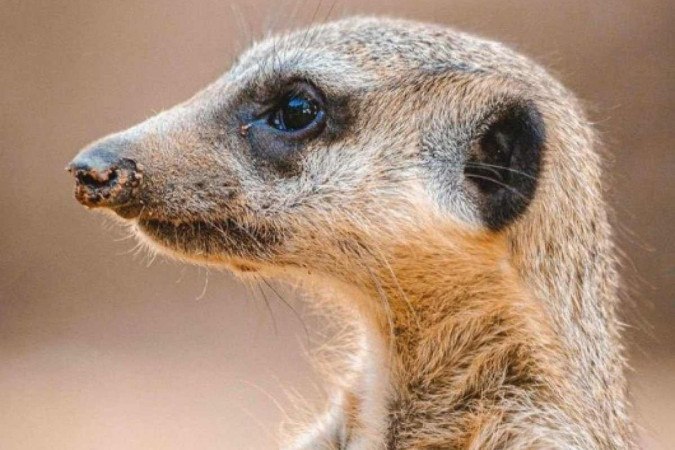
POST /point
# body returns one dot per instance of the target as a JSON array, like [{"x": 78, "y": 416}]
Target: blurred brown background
[{"x": 98, "y": 350}]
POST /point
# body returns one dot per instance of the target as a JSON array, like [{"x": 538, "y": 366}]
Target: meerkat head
[{"x": 325, "y": 141}]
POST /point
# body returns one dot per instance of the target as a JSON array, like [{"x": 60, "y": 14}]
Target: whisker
[
  {"x": 519, "y": 172},
  {"x": 285, "y": 302},
  {"x": 132, "y": 250},
  {"x": 182, "y": 274},
  {"x": 267, "y": 305},
  {"x": 306, "y": 38},
  {"x": 510, "y": 188},
  {"x": 151, "y": 259},
  {"x": 330, "y": 11},
  {"x": 276, "y": 402},
  {"x": 243, "y": 25},
  {"x": 489, "y": 169},
  {"x": 206, "y": 285},
  {"x": 131, "y": 235}
]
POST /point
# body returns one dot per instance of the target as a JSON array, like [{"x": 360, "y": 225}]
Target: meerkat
[{"x": 444, "y": 189}]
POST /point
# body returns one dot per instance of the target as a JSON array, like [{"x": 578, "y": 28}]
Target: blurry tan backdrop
[{"x": 98, "y": 351}]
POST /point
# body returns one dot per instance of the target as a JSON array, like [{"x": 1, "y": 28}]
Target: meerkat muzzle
[{"x": 102, "y": 179}]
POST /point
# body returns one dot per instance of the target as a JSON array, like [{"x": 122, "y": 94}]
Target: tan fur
[{"x": 470, "y": 338}]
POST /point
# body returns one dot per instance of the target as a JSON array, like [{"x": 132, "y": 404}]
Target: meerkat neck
[
  {"x": 431, "y": 284},
  {"x": 452, "y": 330}
]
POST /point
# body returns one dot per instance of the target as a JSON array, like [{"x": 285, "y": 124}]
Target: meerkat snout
[{"x": 104, "y": 178}]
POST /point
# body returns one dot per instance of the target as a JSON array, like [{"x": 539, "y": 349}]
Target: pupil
[{"x": 298, "y": 113}]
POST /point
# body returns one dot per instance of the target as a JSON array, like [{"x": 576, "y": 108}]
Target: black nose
[{"x": 103, "y": 178}]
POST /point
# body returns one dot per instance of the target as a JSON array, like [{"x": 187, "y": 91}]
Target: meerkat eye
[
  {"x": 296, "y": 112},
  {"x": 292, "y": 118}
]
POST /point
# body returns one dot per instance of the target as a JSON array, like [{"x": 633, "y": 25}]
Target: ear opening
[{"x": 504, "y": 165}]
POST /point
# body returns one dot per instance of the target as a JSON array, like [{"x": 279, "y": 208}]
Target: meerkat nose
[{"x": 103, "y": 179}]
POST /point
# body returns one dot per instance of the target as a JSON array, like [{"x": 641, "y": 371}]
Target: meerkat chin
[{"x": 445, "y": 188}]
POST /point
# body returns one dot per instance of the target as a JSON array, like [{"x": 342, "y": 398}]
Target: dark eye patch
[{"x": 280, "y": 128}]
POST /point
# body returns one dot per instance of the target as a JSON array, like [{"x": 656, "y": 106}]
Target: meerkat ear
[{"x": 504, "y": 165}]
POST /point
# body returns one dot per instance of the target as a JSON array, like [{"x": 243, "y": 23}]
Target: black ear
[{"x": 504, "y": 166}]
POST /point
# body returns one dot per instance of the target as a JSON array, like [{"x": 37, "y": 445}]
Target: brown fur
[{"x": 473, "y": 338}]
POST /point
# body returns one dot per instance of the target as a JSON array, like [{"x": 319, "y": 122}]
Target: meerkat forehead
[{"x": 362, "y": 52}]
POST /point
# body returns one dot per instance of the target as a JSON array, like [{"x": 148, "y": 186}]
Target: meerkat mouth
[{"x": 199, "y": 238}]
